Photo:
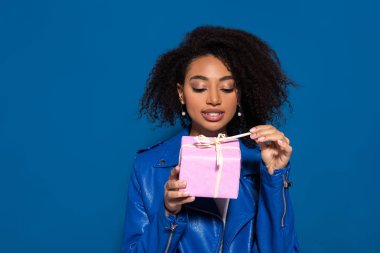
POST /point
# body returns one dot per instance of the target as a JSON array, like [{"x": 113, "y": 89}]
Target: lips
[{"x": 212, "y": 115}]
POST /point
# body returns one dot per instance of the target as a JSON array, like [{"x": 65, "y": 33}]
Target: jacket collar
[{"x": 170, "y": 154}]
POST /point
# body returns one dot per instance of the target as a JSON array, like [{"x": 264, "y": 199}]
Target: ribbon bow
[{"x": 204, "y": 142}]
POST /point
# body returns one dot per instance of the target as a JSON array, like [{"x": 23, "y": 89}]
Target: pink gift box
[{"x": 198, "y": 167}]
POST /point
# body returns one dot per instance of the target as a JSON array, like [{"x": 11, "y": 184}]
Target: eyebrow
[{"x": 224, "y": 78}]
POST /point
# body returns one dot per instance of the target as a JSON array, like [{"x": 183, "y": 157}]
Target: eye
[
  {"x": 225, "y": 90},
  {"x": 199, "y": 90}
]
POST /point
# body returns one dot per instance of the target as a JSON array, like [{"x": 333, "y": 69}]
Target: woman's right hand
[{"x": 174, "y": 199}]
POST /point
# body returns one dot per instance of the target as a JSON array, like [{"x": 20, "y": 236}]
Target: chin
[
  {"x": 209, "y": 128},
  {"x": 214, "y": 130}
]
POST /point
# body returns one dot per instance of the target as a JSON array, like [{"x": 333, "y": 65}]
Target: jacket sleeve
[
  {"x": 149, "y": 233},
  {"x": 275, "y": 230}
]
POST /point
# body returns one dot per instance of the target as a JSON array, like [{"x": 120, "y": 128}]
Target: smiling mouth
[{"x": 213, "y": 116}]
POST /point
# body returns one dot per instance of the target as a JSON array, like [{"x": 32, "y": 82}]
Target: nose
[{"x": 213, "y": 97}]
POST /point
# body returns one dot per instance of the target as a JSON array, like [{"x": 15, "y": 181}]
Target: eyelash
[
  {"x": 198, "y": 90},
  {"x": 202, "y": 90},
  {"x": 227, "y": 90}
]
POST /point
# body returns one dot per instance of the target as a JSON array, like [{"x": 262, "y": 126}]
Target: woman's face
[{"x": 210, "y": 95}]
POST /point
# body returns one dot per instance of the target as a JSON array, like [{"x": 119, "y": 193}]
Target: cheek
[
  {"x": 232, "y": 102},
  {"x": 192, "y": 103},
  {"x": 193, "y": 99}
]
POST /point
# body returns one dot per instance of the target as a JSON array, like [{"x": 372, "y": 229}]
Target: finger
[
  {"x": 177, "y": 194},
  {"x": 266, "y": 132},
  {"x": 175, "y": 206},
  {"x": 263, "y": 132},
  {"x": 285, "y": 147},
  {"x": 260, "y": 127},
  {"x": 272, "y": 137},
  {"x": 174, "y": 173},
  {"x": 175, "y": 184},
  {"x": 263, "y": 146},
  {"x": 187, "y": 200},
  {"x": 181, "y": 201}
]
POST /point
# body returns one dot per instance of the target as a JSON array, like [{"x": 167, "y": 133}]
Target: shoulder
[
  {"x": 153, "y": 148},
  {"x": 162, "y": 154},
  {"x": 150, "y": 154}
]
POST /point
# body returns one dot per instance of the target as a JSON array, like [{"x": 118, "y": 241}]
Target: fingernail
[
  {"x": 253, "y": 129},
  {"x": 253, "y": 135},
  {"x": 261, "y": 138},
  {"x": 182, "y": 183},
  {"x": 279, "y": 142}
]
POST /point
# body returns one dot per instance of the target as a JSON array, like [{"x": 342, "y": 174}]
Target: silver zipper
[
  {"x": 220, "y": 218},
  {"x": 172, "y": 229},
  {"x": 284, "y": 199},
  {"x": 221, "y": 243}
]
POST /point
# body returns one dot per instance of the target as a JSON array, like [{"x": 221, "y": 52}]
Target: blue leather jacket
[{"x": 259, "y": 220}]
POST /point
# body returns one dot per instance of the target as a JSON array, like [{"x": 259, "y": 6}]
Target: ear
[{"x": 180, "y": 93}]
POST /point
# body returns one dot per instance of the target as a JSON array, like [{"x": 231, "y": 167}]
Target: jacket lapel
[{"x": 243, "y": 209}]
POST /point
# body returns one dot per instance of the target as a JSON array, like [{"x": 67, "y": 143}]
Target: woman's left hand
[{"x": 275, "y": 146}]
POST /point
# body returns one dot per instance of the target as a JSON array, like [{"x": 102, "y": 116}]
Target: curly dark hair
[{"x": 255, "y": 67}]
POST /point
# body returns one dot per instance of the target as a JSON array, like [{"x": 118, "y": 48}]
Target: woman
[{"x": 217, "y": 81}]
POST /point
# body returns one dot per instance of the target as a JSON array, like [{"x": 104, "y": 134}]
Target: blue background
[{"x": 72, "y": 74}]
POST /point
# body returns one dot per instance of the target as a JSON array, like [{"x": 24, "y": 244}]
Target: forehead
[{"x": 207, "y": 65}]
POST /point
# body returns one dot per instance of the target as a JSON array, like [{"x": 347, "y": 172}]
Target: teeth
[{"x": 213, "y": 113}]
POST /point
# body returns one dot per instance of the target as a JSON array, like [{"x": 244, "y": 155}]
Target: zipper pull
[
  {"x": 173, "y": 227},
  {"x": 287, "y": 183},
  {"x": 173, "y": 224}
]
